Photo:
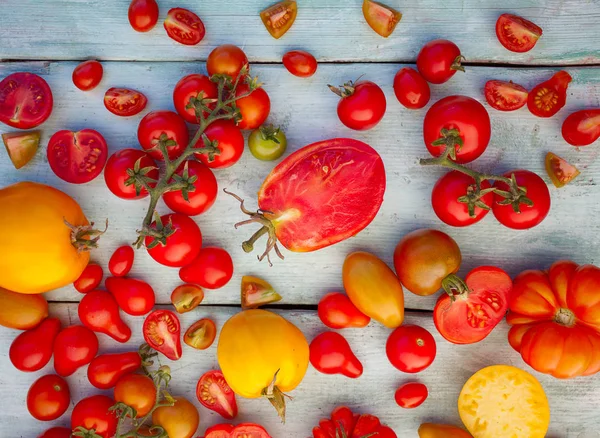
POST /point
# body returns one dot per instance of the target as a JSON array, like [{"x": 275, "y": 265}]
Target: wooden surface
[{"x": 333, "y": 30}]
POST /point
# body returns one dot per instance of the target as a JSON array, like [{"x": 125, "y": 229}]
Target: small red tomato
[
  {"x": 226, "y": 59},
  {"x": 124, "y": 102},
  {"x": 25, "y": 100},
  {"x": 32, "y": 350},
  {"x": 411, "y": 348},
  {"x": 505, "y": 96},
  {"x": 215, "y": 394},
  {"x": 582, "y": 128},
  {"x": 300, "y": 63},
  {"x": 89, "y": 279},
  {"x": 104, "y": 371},
  {"x": 121, "y": 261},
  {"x": 74, "y": 347},
  {"x": 57, "y": 432},
  {"x": 143, "y": 14},
  {"x": 439, "y": 60},
  {"x": 88, "y": 75},
  {"x": 410, "y": 395},
  {"x": 228, "y": 139},
  {"x": 201, "y": 334},
  {"x": 254, "y": 108},
  {"x": 193, "y": 86},
  {"x": 48, "y": 398},
  {"x": 212, "y": 269},
  {"x": 184, "y": 26},
  {"x": 167, "y": 125},
  {"x": 411, "y": 89},
  {"x": 516, "y": 33},
  {"x": 547, "y": 98},
  {"x": 186, "y": 297},
  {"x": 362, "y": 104},
  {"x": 202, "y": 198},
  {"x": 330, "y": 353},
  {"x": 134, "y": 297},
  {"x": 337, "y": 311},
  {"x": 94, "y": 413},
  {"x": 116, "y": 176},
  {"x": 162, "y": 332},
  {"x": 98, "y": 310},
  {"x": 181, "y": 247}
]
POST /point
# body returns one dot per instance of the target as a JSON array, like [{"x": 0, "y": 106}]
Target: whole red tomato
[
  {"x": 104, "y": 371},
  {"x": 458, "y": 122},
  {"x": 228, "y": 139},
  {"x": 116, "y": 176},
  {"x": 202, "y": 198},
  {"x": 254, "y": 108},
  {"x": 74, "y": 347},
  {"x": 184, "y": 26},
  {"x": 192, "y": 86},
  {"x": 215, "y": 394},
  {"x": 56, "y": 432},
  {"x": 143, "y": 14},
  {"x": 181, "y": 247},
  {"x": 516, "y": 33},
  {"x": 87, "y": 75},
  {"x": 94, "y": 413},
  {"x": 226, "y": 59},
  {"x": 25, "y": 100},
  {"x": 547, "y": 98},
  {"x": 32, "y": 350},
  {"x": 505, "y": 96},
  {"x": 48, "y": 398},
  {"x": 330, "y": 353},
  {"x": 211, "y": 269},
  {"x": 124, "y": 102},
  {"x": 439, "y": 60},
  {"x": 362, "y": 104},
  {"x": 89, "y": 279},
  {"x": 166, "y": 125},
  {"x": 411, "y": 348},
  {"x": 134, "y": 297},
  {"x": 410, "y": 395},
  {"x": 121, "y": 261},
  {"x": 137, "y": 391},
  {"x": 99, "y": 311},
  {"x": 411, "y": 89},
  {"x": 300, "y": 63},
  {"x": 337, "y": 311},
  {"x": 582, "y": 127},
  {"x": 162, "y": 332}
]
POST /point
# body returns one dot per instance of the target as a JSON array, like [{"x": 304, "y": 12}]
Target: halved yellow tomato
[
  {"x": 380, "y": 17},
  {"x": 560, "y": 171},
  {"x": 279, "y": 17},
  {"x": 21, "y": 146}
]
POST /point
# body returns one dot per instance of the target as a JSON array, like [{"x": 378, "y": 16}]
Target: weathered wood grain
[{"x": 333, "y": 30}]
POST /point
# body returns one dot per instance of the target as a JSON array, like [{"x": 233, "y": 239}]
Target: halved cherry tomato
[
  {"x": 143, "y": 14},
  {"x": 180, "y": 420},
  {"x": 547, "y": 98},
  {"x": 279, "y": 17},
  {"x": 380, "y": 17},
  {"x": 116, "y": 173},
  {"x": 439, "y": 60},
  {"x": 21, "y": 146},
  {"x": 74, "y": 347},
  {"x": 256, "y": 292},
  {"x": 211, "y": 269},
  {"x": 202, "y": 198},
  {"x": 137, "y": 391},
  {"x": 89, "y": 279},
  {"x": 201, "y": 334},
  {"x": 88, "y": 75},
  {"x": 337, "y": 311},
  {"x": 362, "y": 104},
  {"x": 411, "y": 89},
  {"x": 560, "y": 171},
  {"x": 104, "y": 371},
  {"x": 98, "y": 310},
  {"x": 135, "y": 297},
  {"x": 124, "y": 102},
  {"x": 184, "y": 26},
  {"x": 32, "y": 350},
  {"x": 48, "y": 398},
  {"x": 516, "y": 33},
  {"x": 410, "y": 395},
  {"x": 505, "y": 96},
  {"x": 192, "y": 86},
  {"x": 94, "y": 413},
  {"x": 77, "y": 157},
  {"x": 582, "y": 127},
  {"x": 411, "y": 348},
  {"x": 226, "y": 59},
  {"x": 163, "y": 332},
  {"x": 163, "y": 124},
  {"x": 229, "y": 141},
  {"x": 57, "y": 432},
  {"x": 121, "y": 261},
  {"x": 330, "y": 353},
  {"x": 300, "y": 63},
  {"x": 215, "y": 394},
  {"x": 186, "y": 297},
  {"x": 22, "y": 311},
  {"x": 25, "y": 100},
  {"x": 180, "y": 248},
  {"x": 254, "y": 108}
]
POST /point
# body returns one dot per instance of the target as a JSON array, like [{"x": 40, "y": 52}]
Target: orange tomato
[
  {"x": 279, "y": 17},
  {"x": 137, "y": 391},
  {"x": 180, "y": 420},
  {"x": 20, "y": 311},
  {"x": 380, "y": 17},
  {"x": 430, "y": 430}
]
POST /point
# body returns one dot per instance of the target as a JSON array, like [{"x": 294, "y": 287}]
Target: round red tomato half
[
  {"x": 181, "y": 247},
  {"x": 166, "y": 125},
  {"x": 162, "y": 332},
  {"x": 192, "y": 86},
  {"x": 201, "y": 198},
  {"x": 547, "y": 98},
  {"x": 411, "y": 89},
  {"x": 88, "y": 75},
  {"x": 117, "y": 177},
  {"x": 77, "y": 157},
  {"x": 229, "y": 141},
  {"x": 215, "y": 394},
  {"x": 505, "y": 96},
  {"x": 184, "y": 26},
  {"x": 516, "y": 33},
  {"x": 124, "y": 102},
  {"x": 25, "y": 100}
]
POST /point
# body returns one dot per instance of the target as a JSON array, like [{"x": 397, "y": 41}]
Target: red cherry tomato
[
  {"x": 337, "y": 311},
  {"x": 547, "y": 98},
  {"x": 88, "y": 75},
  {"x": 25, "y": 100},
  {"x": 124, "y": 102},
  {"x": 89, "y": 279},
  {"x": 201, "y": 334},
  {"x": 226, "y": 60},
  {"x": 94, "y": 413},
  {"x": 230, "y": 144},
  {"x": 134, "y": 297},
  {"x": 215, "y": 394},
  {"x": 143, "y": 14},
  {"x": 411, "y": 348},
  {"x": 456, "y": 119},
  {"x": 56, "y": 432},
  {"x": 99, "y": 311},
  {"x": 254, "y": 108},
  {"x": 77, "y": 157},
  {"x": 529, "y": 215},
  {"x": 505, "y": 96},
  {"x": 181, "y": 247},
  {"x": 330, "y": 353},
  {"x": 104, "y": 371},
  {"x": 516, "y": 33},
  {"x": 121, "y": 261},
  {"x": 362, "y": 104},
  {"x": 411, "y": 89},
  {"x": 32, "y": 350},
  {"x": 448, "y": 193},
  {"x": 74, "y": 347},
  {"x": 300, "y": 63},
  {"x": 115, "y": 173},
  {"x": 184, "y": 26},
  {"x": 163, "y": 124},
  {"x": 48, "y": 398},
  {"x": 582, "y": 127},
  {"x": 439, "y": 60},
  {"x": 192, "y": 86},
  {"x": 212, "y": 269},
  {"x": 204, "y": 195},
  {"x": 410, "y": 395},
  {"x": 163, "y": 333}
]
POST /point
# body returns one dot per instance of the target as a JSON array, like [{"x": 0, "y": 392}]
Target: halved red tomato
[
  {"x": 547, "y": 98},
  {"x": 380, "y": 17},
  {"x": 505, "y": 96},
  {"x": 25, "y": 100},
  {"x": 124, "y": 102},
  {"x": 215, "y": 394},
  {"x": 184, "y": 26},
  {"x": 279, "y": 17},
  {"x": 560, "y": 171},
  {"x": 516, "y": 33},
  {"x": 21, "y": 146},
  {"x": 162, "y": 332}
]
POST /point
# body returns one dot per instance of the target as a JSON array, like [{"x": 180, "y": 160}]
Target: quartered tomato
[
  {"x": 180, "y": 248},
  {"x": 89, "y": 279},
  {"x": 300, "y": 63},
  {"x": 214, "y": 393},
  {"x": 143, "y": 14},
  {"x": 116, "y": 173},
  {"x": 226, "y": 59},
  {"x": 582, "y": 127},
  {"x": 21, "y": 146},
  {"x": 202, "y": 198},
  {"x": 163, "y": 124},
  {"x": 505, "y": 96},
  {"x": 411, "y": 89},
  {"x": 184, "y": 26},
  {"x": 87, "y": 75},
  {"x": 25, "y": 100},
  {"x": 121, "y": 261},
  {"x": 547, "y": 98},
  {"x": 201, "y": 334},
  {"x": 77, "y": 157},
  {"x": 228, "y": 139},
  {"x": 254, "y": 108},
  {"x": 560, "y": 171},
  {"x": 439, "y": 60},
  {"x": 163, "y": 332},
  {"x": 186, "y": 297},
  {"x": 411, "y": 395},
  {"x": 279, "y": 17},
  {"x": 192, "y": 86},
  {"x": 516, "y": 33},
  {"x": 381, "y": 18},
  {"x": 124, "y": 102}
]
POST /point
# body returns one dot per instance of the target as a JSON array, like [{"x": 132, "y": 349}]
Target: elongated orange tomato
[
  {"x": 430, "y": 430},
  {"x": 21, "y": 312}
]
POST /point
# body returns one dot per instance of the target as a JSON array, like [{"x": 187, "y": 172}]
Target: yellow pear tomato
[{"x": 430, "y": 430}]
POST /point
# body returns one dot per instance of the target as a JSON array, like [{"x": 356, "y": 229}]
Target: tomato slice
[
  {"x": 505, "y": 96},
  {"x": 279, "y": 17},
  {"x": 21, "y": 146},
  {"x": 380, "y": 17},
  {"x": 547, "y": 98},
  {"x": 201, "y": 334},
  {"x": 77, "y": 157},
  {"x": 184, "y": 26},
  {"x": 25, "y": 100},
  {"x": 215, "y": 394},
  {"x": 257, "y": 292},
  {"x": 219, "y": 431},
  {"x": 124, "y": 102},
  {"x": 249, "y": 430},
  {"x": 560, "y": 171},
  {"x": 516, "y": 33},
  {"x": 187, "y": 297},
  {"x": 162, "y": 332}
]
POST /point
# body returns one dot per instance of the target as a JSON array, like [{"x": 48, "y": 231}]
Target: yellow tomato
[
  {"x": 374, "y": 288},
  {"x": 504, "y": 401},
  {"x": 430, "y": 430},
  {"x": 180, "y": 420},
  {"x": 20, "y": 311},
  {"x": 38, "y": 253}
]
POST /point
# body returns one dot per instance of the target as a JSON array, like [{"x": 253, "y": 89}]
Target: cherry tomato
[
  {"x": 460, "y": 122},
  {"x": 300, "y": 63},
  {"x": 74, "y": 347},
  {"x": 226, "y": 60},
  {"x": 560, "y": 171},
  {"x": 582, "y": 127},
  {"x": 143, "y": 14},
  {"x": 89, "y": 279},
  {"x": 547, "y": 98},
  {"x": 104, "y": 371},
  {"x": 267, "y": 143},
  {"x": 94, "y": 413},
  {"x": 32, "y": 350},
  {"x": 330, "y": 353},
  {"x": 202, "y": 198},
  {"x": 77, "y": 157},
  {"x": 212, "y": 269},
  {"x": 215, "y": 394},
  {"x": 116, "y": 176},
  {"x": 256, "y": 292},
  {"x": 193, "y": 86},
  {"x": 516, "y": 33},
  {"x": 505, "y": 96},
  {"x": 448, "y": 193},
  {"x": 201, "y": 334},
  {"x": 410, "y": 395},
  {"x": 135, "y": 297},
  {"x": 279, "y": 17},
  {"x": 25, "y": 100},
  {"x": 48, "y": 398},
  {"x": 121, "y": 261},
  {"x": 88, "y": 75},
  {"x": 254, "y": 108},
  {"x": 181, "y": 247},
  {"x": 439, "y": 60},
  {"x": 21, "y": 146},
  {"x": 163, "y": 332},
  {"x": 184, "y": 26},
  {"x": 228, "y": 139},
  {"x": 124, "y": 102},
  {"x": 137, "y": 391},
  {"x": 186, "y": 297},
  {"x": 98, "y": 310},
  {"x": 411, "y": 89},
  {"x": 362, "y": 104},
  {"x": 411, "y": 348},
  {"x": 381, "y": 18},
  {"x": 529, "y": 215},
  {"x": 337, "y": 311},
  {"x": 180, "y": 420},
  {"x": 56, "y": 432},
  {"x": 165, "y": 124}
]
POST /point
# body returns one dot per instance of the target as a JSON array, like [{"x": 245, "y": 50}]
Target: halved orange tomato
[
  {"x": 380, "y": 17},
  {"x": 279, "y": 17},
  {"x": 560, "y": 171}
]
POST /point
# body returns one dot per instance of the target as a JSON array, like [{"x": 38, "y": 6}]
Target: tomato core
[
  {"x": 546, "y": 99},
  {"x": 565, "y": 317}
]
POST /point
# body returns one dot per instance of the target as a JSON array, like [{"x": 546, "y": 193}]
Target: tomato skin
[
  {"x": 255, "y": 108},
  {"x": 231, "y": 144},
  {"x": 201, "y": 334},
  {"x": 505, "y": 96},
  {"x": 184, "y": 26},
  {"x": 93, "y": 413},
  {"x": 48, "y": 398},
  {"x": 121, "y": 261},
  {"x": 90, "y": 278},
  {"x": 582, "y": 128},
  {"x": 300, "y": 63},
  {"x": 411, "y": 395},
  {"x": 215, "y": 394},
  {"x": 560, "y": 171},
  {"x": 430, "y": 430},
  {"x": 547, "y": 98},
  {"x": 226, "y": 59},
  {"x": 438, "y": 61},
  {"x": 143, "y": 15},
  {"x": 99, "y": 311},
  {"x": 156, "y": 123},
  {"x": 74, "y": 347},
  {"x": 162, "y": 332},
  {"x": 87, "y": 75},
  {"x": 364, "y": 108},
  {"x": 411, "y": 348},
  {"x": 32, "y": 350},
  {"x": 411, "y": 89},
  {"x": 105, "y": 370},
  {"x": 211, "y": 269},
  {"x": 180, "y": 420},
  {"x": 25, "y": 100},
  {"x": 20, "y": 311},
  {"x": 330, "y": 353},
  {"x": 181, "y": 247},
  {"x": 381, "y": 18},
  {"x": 124, "y": 102},
  {"x": 516, "y": 33},
  {"x": 134, "y": 297},
  {"x": 278, "y": 18},
  {"x": 337, "y": 311},
  {"x": 56, "y": 432},
  {"x": 137, "y": 391},
  {"x": 191, "y": 86},
  {"x": 115, "y": 173}
]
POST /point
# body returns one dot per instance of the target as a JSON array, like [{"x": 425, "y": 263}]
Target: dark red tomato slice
[
  {"x": 121, "y": 261},
  {"x": 184, "y": 26},
  {"x": 505, "y": 96},
  {"x": 192, "y": 86},
  {"x": 215, "y": 394},
  {"x": 202, "y": 198},
  {"x": 89, "y": 279},
  {"x": 229, "y": 141},
  {"x": 547, "y": 98},
  {"x": 77, "y": 157},
  {"x": 116, "y": 176},
  {"x": 472, "y": 315},
  {"x": 162, "y": 332},
  {"x": 411, "y": 89},
  {"x": 143, "y": 14},
  {"x": 181, "y": 247},
  {"x": 582, "y": 128},
  {"x": 410, "y": 395},
  {"x": 163, "y": 124},
  {"x": 124, "y": 102},
  {"x": 516, "y": 33},
  {"x": 25, "y": 100},
  {"x": 560, "y": 171},
  {"x": 249, "y": 430},
  {"x": 279, "y": 17},
  {"x": 88, "y": 75},
  {"x": 300, "y": 63}
]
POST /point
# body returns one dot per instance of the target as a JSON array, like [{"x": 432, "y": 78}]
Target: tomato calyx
[
  {"x": 347, "y": 89},
  {"x": 455, "y": 287},
  {"x": 269, "y": 133},
  {"x": 474, "y": 198},
  {"x": 457, "y": 63},
  {"x": 565, "y": 317},
  {"x": 515, "y": 197},
  {"x": 138, "y": 177},
  {"x": 82, "y": 432},
  {"x": 276, "y": 397},
  {"x": 160, "y": 232},
  {"x": 85, "y": 237},
  {"x": 451, "y": 139},
  {"x": 186, "y": 181}
]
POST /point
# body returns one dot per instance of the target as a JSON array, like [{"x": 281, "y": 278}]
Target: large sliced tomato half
[
  {"x": 380, "y": 17},
  {"x": 279, "y": 18},
  {"x": 21, "y": 146},
  {"x": 516, "y": 33},
  {"x": 560, "y": 171}
]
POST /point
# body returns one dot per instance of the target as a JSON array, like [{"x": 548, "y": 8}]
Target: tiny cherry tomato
[
  {"x": 135, "y": 297},
  {"x": 267, "y": 143},
  {"x": 337, "y": 311},
  {"x": 180, "y": 420},
  {"x": 439, "y": 60},
  {"x": 411, "y": 348},
  {"x": 226, "y": 59},
  {"x": 330, "y": 353},
  {"x": 279, "y": 17},
  {"x": 211, "y": 269},
  {"x": 74, "y": 347},
  {"x": 162, "y": 332},
  {"x": 87, "y": 75},
  {"x": 256, "y": 292},
  {"x": 201, "y": 334},
  {"x": 300, "y": 63},
  {"x": 167, "y": 125},
  {"x": 193, "y": 86},
  {"x": 547, "y": 98},
  {"x": 32, "y": 350},
  {"x": 181, "y": 247},
  {"x": 505, "y": 96},
  {"x": 121, "y": 261},
  {"x": 411, "y": 89},
  {"x": 89, "y": 279},
  {"x": 117, "y": 179},
  {"x": 582, "y": 128},
  {"x": 21, "y": 146},
  {"x": 48, "y": 398},
  {"x": 516, "y": 33},
  {"x": 254, "y": 108},
  {"x": 381, "y": 18},
  {"x": 124, "y": 102},
  {"x": 229, "y": 141},
  {"x": 186, "y": 297},
  {"x": 184, "y": 26},
  {"x": 98, "y": 310},
  {"x": 215, "y": 394},
  {"x": 143, "y": 14},
  {"x": 560, "y": 171},
  {"x": 25, "y": 100},
  {"x": 94, "y": 413},
  {"x": 410, "y": 395},
  {"x": 104, "y": 371},
  {"x": 362, "y": 104},
  {"x": 137, "y": 391},
  {"x": 57, "y": 432},
  {"x": 202, "y": 198}
]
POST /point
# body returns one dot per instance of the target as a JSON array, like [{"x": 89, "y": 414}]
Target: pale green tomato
[{"x": 267, "y": 143}]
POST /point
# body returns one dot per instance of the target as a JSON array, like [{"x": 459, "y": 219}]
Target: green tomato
[{"x": 267, "y": 143}]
